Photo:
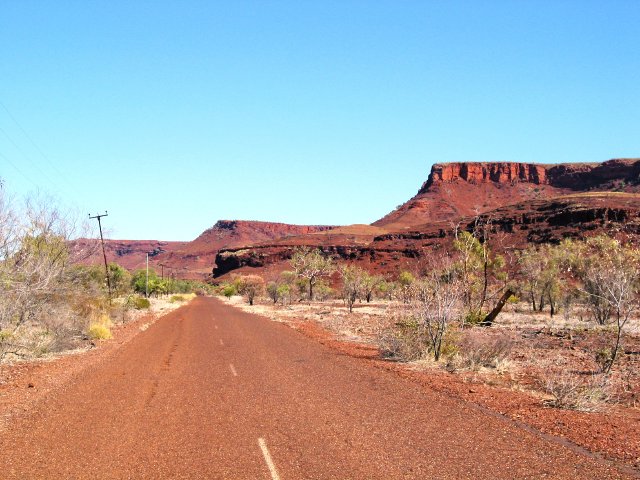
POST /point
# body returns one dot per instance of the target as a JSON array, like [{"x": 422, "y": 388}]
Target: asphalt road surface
[{"x": 210, "y": 392}]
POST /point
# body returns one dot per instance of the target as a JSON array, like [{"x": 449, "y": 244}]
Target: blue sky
[{"x": 172, "y": 115}]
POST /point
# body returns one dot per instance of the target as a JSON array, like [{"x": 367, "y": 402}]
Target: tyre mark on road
[
  {"x": 152, "y": 393},
  {"x": 169, "y": 357},
  {"x": 166, "y": 364}
]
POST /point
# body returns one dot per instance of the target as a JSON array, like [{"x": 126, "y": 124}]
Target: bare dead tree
[{"x": 437, "y": 303}]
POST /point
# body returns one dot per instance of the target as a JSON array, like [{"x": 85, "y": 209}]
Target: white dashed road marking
[
  {"x": 233, "y": 370},
  {"x": 268, "y": 460},
  {"x": 221, "y": 343}
]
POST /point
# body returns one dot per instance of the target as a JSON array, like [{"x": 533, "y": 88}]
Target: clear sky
[{"x": 172, "y": 115}]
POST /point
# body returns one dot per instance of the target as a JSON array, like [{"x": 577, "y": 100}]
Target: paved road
[{"x": 209, "y": 392}]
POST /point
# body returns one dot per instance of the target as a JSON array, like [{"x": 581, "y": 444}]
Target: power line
[
  {"x": 42, "y": 154},
  {"x": 18, "y": 170},
  {"x": 27, "y": 157}
]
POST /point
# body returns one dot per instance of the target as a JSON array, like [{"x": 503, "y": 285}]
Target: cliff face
[
  {"x": 460, "y": 189},
  {"x": 575, "y": 176},
  {"x": 478, "y": 173},
  {"x": 530, "y": 222}
]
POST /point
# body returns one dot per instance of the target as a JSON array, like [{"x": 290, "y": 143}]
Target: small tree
[
  {"x": 120, "y": 278},
  {"x": 353, "y": 279},
  {"x": 436, "y": 304},
  {"x": 609, "y": 273},
  {"x": 585, "y": 261},
  {"x": 370, "y": 284},
  {"x": 541, "y": 282},
  {"x": 481, "y": 273},
  {"x": 273, "y": 292},
  {"x": 250, "y": 286},
  {"x": 311, "y": 265},
  {"x": 405, "y": 281},
  {"x": 284, "y": 293},
  {"x": 139, "y": 282},
  {"x": 228, "y": 290},
  {"x": 323, "y": 291}
]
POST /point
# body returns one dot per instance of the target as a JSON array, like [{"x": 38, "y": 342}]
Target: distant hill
[
  {"x": 193, "y": 259},
  {"x": 454, "y": 190},
  {"x": 527, "y": 203}
]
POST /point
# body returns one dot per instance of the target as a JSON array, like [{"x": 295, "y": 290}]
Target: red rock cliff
[
  {"x": 502, "y": 172},
  {"x": 459, "y": 189},
  {"x": 575, "y": 176}
]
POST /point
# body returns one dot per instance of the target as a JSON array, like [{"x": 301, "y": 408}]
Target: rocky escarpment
[
  {"x": 575, "y": 176},
  {"x": 476, "y": 173},
  {"x": 199, "y": 255},
  {"x": 460, "y": 189},
  {"x": 131, "y": 254},
  {"x": 253, "y": 231},
  {"x": 537, "y": 221},
  {"x": 190, "y": 259},
  {"x": 530, "y": 222}
]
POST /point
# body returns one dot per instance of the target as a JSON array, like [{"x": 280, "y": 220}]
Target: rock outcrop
[
  {"x": 190, "y": 259},
  {"x": 461, "y": 189},
  {"x": 528, "y": 203},
  {"x": 529, "y": 222},
  {"x": 477, "y": 173},
  {"x": 575, "y": 176}
]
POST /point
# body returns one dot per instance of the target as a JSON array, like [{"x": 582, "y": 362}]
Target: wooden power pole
[{"x": 104, "y": 253}]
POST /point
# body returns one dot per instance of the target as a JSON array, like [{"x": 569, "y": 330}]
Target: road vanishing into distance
[{"x": 211, "y": 392}]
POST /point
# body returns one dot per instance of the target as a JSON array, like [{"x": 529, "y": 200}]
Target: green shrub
[
  {"x": 229, "y": 290},
  {"x": 99, "y": 331},
  {"x": 141, "y": 303},
  {"x": 474, "y": 317},
  {"x": 284, "y": 293},
  {"x": 177, "y": 298}
]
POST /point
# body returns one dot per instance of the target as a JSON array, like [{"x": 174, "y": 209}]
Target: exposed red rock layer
[
  {"x": 486, "y": 172},
  {"x": 533, "y": 221},
  {"x": 131, "y": 254},
  {"x": 452, "y": 195},
  {"x": 189, "y": 259},
  {"x": 460, "y": 189},
  {"x": 529, "y": 203}
]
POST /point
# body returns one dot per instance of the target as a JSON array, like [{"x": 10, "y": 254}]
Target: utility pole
[{"x": 104, "y": 253}]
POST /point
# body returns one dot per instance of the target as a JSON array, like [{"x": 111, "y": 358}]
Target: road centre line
[
  {"x": 268, "y": 460},
  {"x": 233, "y": 370},
  {"x": 221, "y": 343},
  {"x": 215, "y": 326}
]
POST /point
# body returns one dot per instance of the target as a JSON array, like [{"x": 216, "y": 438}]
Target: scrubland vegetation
[
  {"x": 50, "y": 302},
  {"x": 556, "y": 317}
]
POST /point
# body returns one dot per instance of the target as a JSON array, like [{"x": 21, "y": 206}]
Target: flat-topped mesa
[
  {"x": 481, "y": 172},
  {"x": 577, "y": 176},
  {"x": 267, "y": 228}
]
